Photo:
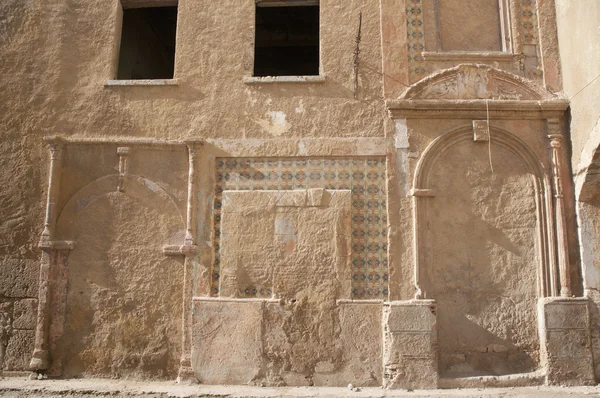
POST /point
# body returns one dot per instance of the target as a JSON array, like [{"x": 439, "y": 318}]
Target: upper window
[
  {"x": 147, "y": 49},
  {"x": 287, "y": 38},
  {"x": 468, "y": 25}
]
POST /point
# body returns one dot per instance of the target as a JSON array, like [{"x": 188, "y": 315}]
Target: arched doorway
[{"x": 481, "y": 251}]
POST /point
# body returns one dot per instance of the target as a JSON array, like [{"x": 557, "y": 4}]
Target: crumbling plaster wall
[
  {"x": 58, "y": 86},
  {"x": 578, "y": 29},
  {"x": 55, "y": 72}
]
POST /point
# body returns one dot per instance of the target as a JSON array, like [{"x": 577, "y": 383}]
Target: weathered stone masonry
[{"x": 406, "y": 218}]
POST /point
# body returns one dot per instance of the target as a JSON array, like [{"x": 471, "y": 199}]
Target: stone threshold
[
  {"x": 129, "y": 388},
  {"x": 513, "y": 380}
]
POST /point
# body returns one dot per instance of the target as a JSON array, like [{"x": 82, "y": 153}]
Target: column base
[
  {"x": 565, "y": 341},
  {"x": 186, "y": 373},
  {"x": 410, "y": 345},
  {"x": 40, "y": 360}
]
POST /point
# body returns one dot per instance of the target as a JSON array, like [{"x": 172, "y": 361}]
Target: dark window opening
[
  {"x": 148, "y": 43},
  {"x": 287, "y": 41}
]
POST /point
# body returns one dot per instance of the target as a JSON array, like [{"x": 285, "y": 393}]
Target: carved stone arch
[
  {"x": 142, "y": 189},
  {"x": 548, "y": 277},
  {"x": 475, "y": 81}
]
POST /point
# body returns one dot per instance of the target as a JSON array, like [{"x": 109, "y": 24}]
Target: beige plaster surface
[
  {"x": 480, "y": 30},
  {"x": 125, "y": 201},
  {"x": 578, "y": 24},
  {"x": 485, "y": 282}
]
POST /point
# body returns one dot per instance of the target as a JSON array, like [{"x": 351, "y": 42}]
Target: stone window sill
[
  {"x": 141, "y": 82},
  {"x": 284, "y": 79},
  {"x": 468, "y": 56}
]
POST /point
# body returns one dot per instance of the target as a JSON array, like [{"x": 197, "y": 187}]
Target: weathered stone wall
[{"x": 266, "y": 250}]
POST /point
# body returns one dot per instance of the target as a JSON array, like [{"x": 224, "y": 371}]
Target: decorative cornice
[
  {"x": 151, "y": 142},
  {"x": 477, "y": 108},
  {"x": 475, "y": 81}
]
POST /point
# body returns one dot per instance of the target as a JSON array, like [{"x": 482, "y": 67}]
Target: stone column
[
  {"x": 190, "y": 250},
  {"x": 562, "y": 244},
  {"x": 40, "y": 359},
  {"x": 55, "y": 145}
]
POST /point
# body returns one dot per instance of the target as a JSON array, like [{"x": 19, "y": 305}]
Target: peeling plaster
[{"x": 275, "y": 123}]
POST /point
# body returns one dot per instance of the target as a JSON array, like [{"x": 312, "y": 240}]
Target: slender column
[
  {"x": 189, "y": 249},
  {"x": 193, "y": 149},
  {"x": 123, "y": 153},
  {"x": 55, "y": 145},
  {"x": 40, "y": 359},
  {"x": 562, "y": 243},
  {"x": 418, "y": 196}
]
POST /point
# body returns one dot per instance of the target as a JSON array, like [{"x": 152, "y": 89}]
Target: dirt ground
[{"x": 19, "y": 387}]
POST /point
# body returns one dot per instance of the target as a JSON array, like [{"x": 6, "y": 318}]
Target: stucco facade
[{"x": 407, "y": 217}]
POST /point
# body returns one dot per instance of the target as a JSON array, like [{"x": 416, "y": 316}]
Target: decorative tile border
[
  {"x": 528, "y": 20},
  {"x": 364, "y": 176},
  {"x": 415, "y": 39}
]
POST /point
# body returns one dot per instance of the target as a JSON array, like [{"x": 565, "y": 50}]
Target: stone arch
[
  {"x": 542, "y": 185},
  {"x": 123, "y": 301},
  {"x": 482, "y": 250},
  {"x": 475, "y": 81},
  {"x": 142, "y": 189}
]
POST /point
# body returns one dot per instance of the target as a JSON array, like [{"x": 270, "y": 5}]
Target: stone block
[
  {"x": 410, "y": 346},
  {"x": 226, "y": 345},
  {"x": 312, "y": 343},
  {"x": 360, "y": 340},
  {"x": 413, "y": 344},
  {"x": 19, "y": 350},
  {"x": 567, "y": 315},
  {"x": 568, "y": 343},
  {"x": 570, "y": 372},
  {"x": 415, "y": 315},
  {"x": 19, "y": 277},
  {"x": 412, "y": 374},
  {"x": 481, "y": 131},
  {"x": 296, "y": 198},
  {"x": 283, "y": 248},
  {"x": 314, "y": 196},
  {"x": 25, "y": 314}
]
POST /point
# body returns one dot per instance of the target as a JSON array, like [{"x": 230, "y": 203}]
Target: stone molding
[
  {"x": 475, "y": 81},
  {"x": 542, "y": 183},
  {"x": 55, "y": 252}
]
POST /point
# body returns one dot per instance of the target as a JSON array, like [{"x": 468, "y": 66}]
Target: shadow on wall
[
  {"x": 482, "y": 262},
  {"x": 123, "y": 311}
]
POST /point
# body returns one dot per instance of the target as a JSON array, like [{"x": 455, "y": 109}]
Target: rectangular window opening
[
  {"x": 147, "y": 48},
  {"x": 287, "y": 39}
]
